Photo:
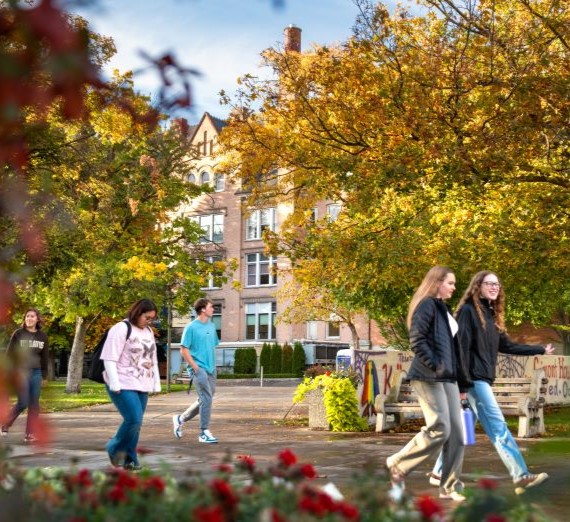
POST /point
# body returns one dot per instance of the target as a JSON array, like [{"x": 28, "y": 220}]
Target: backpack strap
[{"x": 129, "y": 328}]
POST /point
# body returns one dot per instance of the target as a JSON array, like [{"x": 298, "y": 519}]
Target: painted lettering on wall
[{"x": 557, "y": 369}]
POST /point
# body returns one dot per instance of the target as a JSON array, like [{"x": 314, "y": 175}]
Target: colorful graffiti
[{"x": 557, "y": 369}]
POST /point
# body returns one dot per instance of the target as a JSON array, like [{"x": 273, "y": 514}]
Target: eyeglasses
[{"x": 492, "y": 284}]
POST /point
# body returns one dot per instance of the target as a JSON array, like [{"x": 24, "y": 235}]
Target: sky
[{"x": 222, "y": 39}]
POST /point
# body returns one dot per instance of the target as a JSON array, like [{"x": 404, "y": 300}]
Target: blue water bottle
[{"x": 468, "y": 421}]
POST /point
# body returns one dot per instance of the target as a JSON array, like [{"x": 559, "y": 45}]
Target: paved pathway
[{"x": 244, "y": 419}]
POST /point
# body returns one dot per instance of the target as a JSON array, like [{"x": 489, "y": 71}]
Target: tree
[
  {"x": 299, "y": 359},
  {"x": 444, "y": 137},
  {"x": 111, "y": 238},
  {"x": 286, "y": 358},
  {"x": 276, "y": 357},
  {"x": 265, "y": 358}
]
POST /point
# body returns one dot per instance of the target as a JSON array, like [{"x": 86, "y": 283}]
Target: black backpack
[{"x": 97, "y": 366}]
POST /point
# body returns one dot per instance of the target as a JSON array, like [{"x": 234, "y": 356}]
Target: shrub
[
  {"x": 276, "y": 355},
  {"x": 341, "y": 402},
  {"x": 287, "y": 359},
  {"x": 245, "y": 361},
  {"x": 265, "y": 358},
  {"x": 298, "y": 365}
]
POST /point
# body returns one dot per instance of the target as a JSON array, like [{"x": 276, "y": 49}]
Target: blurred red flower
[{"x": 287, "y": 457}]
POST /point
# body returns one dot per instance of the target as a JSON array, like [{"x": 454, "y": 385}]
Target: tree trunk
[
  {"x": 75, "y": 366},
  {"x": 355, "y": 338},
  {"x": 564, "y": 331}
]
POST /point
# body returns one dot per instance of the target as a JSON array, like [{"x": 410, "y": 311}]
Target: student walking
[
  {"x": 480, "y": 315},
  {"x": 28, "y": 352},
  {"x": 131, "y": 373},
  {"x": 435, "y": 370},
  {"x": 198, "y": 349}
]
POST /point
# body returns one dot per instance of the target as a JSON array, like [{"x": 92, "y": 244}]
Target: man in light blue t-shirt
[{"x": 198, "y": 349}]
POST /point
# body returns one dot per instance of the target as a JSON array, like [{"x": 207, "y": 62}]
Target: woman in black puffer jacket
[{"x": 435, "y": 371}]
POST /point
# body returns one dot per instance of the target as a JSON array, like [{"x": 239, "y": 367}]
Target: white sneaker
[
  {"x": 434, "y": 480},
  {"x": 453, "y": 495},
  {"x": 529, "y": 481},
  {"x": 207, "y": 437},
  {"x": 177, "y": 426}
]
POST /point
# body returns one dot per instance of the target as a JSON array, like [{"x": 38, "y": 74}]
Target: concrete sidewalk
[{"x": 245, "y": 420}]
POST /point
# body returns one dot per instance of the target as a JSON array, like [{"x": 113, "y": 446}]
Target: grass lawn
[{"x": 54, "y": 398}]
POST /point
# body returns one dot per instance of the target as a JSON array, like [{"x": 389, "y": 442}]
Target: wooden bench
[{"x": 522, "y": 397}]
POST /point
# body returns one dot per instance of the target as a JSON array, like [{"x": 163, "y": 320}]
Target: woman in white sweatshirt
[{"x": 131, "y": 373}]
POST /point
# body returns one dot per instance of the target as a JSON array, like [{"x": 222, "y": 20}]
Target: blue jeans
[
  {"x": 131, "y": 405},
  {"x": 485, "y": 408},
  {"x": 28, "y": 397},
  {"x": 205, "y": 384}
]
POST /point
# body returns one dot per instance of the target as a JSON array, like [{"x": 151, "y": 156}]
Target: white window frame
[
  {"x": 329, "y": 324},
  {"x": 212, "y": 277},
  {"x": 210, "y": 223},
  {"x": 254, "y": 227},
  {"x": 312, "y": 330},
  {"x": 333, "y": 210},
  {"x": 260, "y": 265},
  {"x": 204, "y": 174},
  {"x": 266, "y": 310},
  {"x": 219, "y": 182}
]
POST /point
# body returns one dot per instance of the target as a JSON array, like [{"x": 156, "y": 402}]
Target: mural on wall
[
  {"x": 509, "y": 366},
  {"x": 370, "y": 389},
  {"x": 390, "y": 363},
  {"x": 557, "y": 370}
]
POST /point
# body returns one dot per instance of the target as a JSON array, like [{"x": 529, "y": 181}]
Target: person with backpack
[
  {"x": 131, "y": 373},
  {"x": 28, "y": 351},
  {"x": 198, "y": 349}
]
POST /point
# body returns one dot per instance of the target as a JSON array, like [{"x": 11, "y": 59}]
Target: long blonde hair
[
  {"x": 473, "y": 292},
  {"x": 428, "y": 288}
]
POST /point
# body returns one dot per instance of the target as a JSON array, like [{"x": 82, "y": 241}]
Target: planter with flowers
[{"x": 333, "y": 402}]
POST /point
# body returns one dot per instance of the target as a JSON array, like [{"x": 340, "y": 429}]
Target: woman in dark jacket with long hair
[
  {"x": 28, "y": 351},
  {"x": 480, "y": 315},
  {"x": 434, "y": 372}
]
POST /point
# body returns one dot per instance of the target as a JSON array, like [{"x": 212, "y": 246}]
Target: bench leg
[
  {"x": 381, "y": 423},
  {"x": 524, "y": 427}
]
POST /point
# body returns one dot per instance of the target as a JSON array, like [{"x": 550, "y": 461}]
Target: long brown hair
[
  {"x": 473, "y": 292},
  {"x": 428, "y": 288}
]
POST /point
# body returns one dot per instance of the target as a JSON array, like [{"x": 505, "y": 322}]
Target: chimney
[{"x": 292, "y": 38}]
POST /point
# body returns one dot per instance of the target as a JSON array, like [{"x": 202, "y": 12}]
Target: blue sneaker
[
  {"x": 177, "y": 426},
  {"x": 207, "y": 437}
]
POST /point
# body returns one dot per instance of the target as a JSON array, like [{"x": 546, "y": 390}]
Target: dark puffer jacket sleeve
[{"x": 421, "y": 333}]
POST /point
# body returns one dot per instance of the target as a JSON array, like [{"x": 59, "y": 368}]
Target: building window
[
  {"x": 213, "y": 227},
  {"x": 260, "y": 320},
  {"x": 312, "y": 332},
  {"x": 215, "y": 275},
  {"x": 205, "y": 178},
  {"x": 191, "y": 178},
  {"x": 260, "y": 270},
  {"x": 219, "y": 182},
  {"x": 260, "y": 220},
  {"x": 205, "y": 143},
  {"x": 217, "y": 319},
  {"x": 314, "y": 215},
  {"x": 333, "y": 329},
  {"x": 333, "y": 211}
]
